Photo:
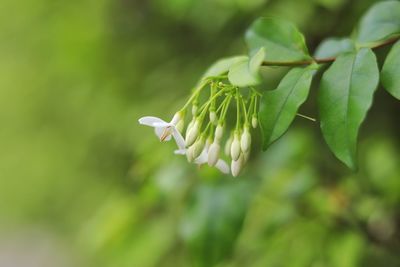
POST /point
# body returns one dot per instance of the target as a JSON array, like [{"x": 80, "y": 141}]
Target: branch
[{"x": 324, "y": 60}]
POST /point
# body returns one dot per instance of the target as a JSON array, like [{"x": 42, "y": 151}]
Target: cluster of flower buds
[{"x": 209, "y": 124}]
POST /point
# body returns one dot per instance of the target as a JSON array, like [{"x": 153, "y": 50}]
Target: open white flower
[
  {"x": 203, "y": 159},
  {"x": 164, "y": 130}
]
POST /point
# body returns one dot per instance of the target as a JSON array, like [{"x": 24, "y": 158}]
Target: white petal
[
  {"x": 222, "y": 166},
  {"x": 163, "y": 124},
  {"x": 160, "y": 131},
  {"x": 149, "y": 121},
  {"x": 203, "y": 158},
  {"x": 178, "y": 138},
  {"x": 180, "y": 152}
]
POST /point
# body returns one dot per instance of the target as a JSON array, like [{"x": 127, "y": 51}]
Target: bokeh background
[{"x": 82, "y": 184}]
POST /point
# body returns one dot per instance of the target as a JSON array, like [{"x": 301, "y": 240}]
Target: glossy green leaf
[
  {"x": 381, "y": 21},
  {"x": 200, "y": 223},
  {"x": 345, "y": 96},
  {"x": 279, "y": 107},
  {"x": 282, "y": 40},
  {"x": 333, "y": 47},
  {"x": 246, "y": 71},
  {"x": 222, "y": 66},
  {"x": 390, "y": 75}
]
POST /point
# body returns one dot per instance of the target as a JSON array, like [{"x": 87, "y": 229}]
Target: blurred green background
[{"x": 82, "y": 184}]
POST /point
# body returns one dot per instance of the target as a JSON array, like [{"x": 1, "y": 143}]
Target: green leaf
[
  {"x": 282, "y": 40},
  {"x": 246, "y": 71},
  {"x": 390, "y": 75},
  {"x": 200, "y": 224},
  {"x": 332, "y": 47},
  {"x": 345, "y": 96},
  {"x": 256, "y": 61},
  {"x": 279, "y": 107},
  {"x": 222, "y": 66},
  {"x": 380, "y": 22}
]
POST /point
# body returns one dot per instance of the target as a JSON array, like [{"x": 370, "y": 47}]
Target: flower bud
[
  {"x": 180, "y": 126},
  {"x": 254, "y": 121},
  {"x": 208, "y": 142},
  {"x": 237, "y": 165},
  {"x": 194, "y": 110},
  {"x": 219, "y": 131},
  {"x": 213, "y": 117},
  {"x": 213, "y": 153},
  {"x": 246, "y": 156},
  {"x": 245, "y": 140},
  {"x": 190, "y": 125},
  {"x": 177, "y": 118},
  {"x": 228, "y": 145},
  {"x": 189, "y": 154},
  {"x": 235, "y": 147},
  {"x": 198, "y": 147},
  {"x": 192, "y": 133}
]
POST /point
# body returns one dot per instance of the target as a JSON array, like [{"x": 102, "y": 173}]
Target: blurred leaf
[
  {"x": 381, "y": 21},
  {"x": 346, "y": 250},
  {"x": 345, "y": 96},
  {"x": 390, "y": 75},
  {"x": 222, "y": 66},
  {"x": 279, "y": 107},
  {"x": 281, "y": 39},
  {"x": 214, "y": 219},
  {"x": 246, "y": 72},
  {"x": 333, "y": 47}
]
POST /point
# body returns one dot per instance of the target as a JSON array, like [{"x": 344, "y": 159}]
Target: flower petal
[
  {"x": 163, "y": 124},
  {"x": 160, "y": 131},
  {"x": 149, "y": 121},
  {"x": 180, "y": 152},
  {"x": 222, "y": 166},
  {"x": 203, "y": 158},
  {"x": 178, "y": 138}
]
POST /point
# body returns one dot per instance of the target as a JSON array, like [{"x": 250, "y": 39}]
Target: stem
[
  {"x": 237, "y": 109},
  {"x": 306, "y": 117},
  {"x": 246, "y": 121},
  {"x": 325, "y": 60},
  {"x": 225, "y": 109},
  {"x": 194, "y": 95}
]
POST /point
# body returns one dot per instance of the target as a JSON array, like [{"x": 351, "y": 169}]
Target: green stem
[
  {"x": 325, "y": 60},
  {"x": 194, "y": 95},
  {"x": 237, "y": 109},
  {"x": 245, "y": 111}
]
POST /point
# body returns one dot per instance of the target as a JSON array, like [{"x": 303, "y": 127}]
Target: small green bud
[
  {"x": 213, "y": 117},
  {"x": 254, "y": 122},
  {"x": 194, "y": 109}
]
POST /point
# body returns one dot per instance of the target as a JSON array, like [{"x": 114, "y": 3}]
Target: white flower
[
  {"x": 164, "y": 130},
  {"x": 213, "y": 153},
  {"x": 235, "y": 147},
  {"x": 245, "y": 140},
  {"x": 203, "y": 159},
  {"x": 237, "y": 165}
]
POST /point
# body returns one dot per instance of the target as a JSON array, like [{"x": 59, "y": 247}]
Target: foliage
[
  {"x": 81, "y": 184},
  {"x": 347, "y": 86}
]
